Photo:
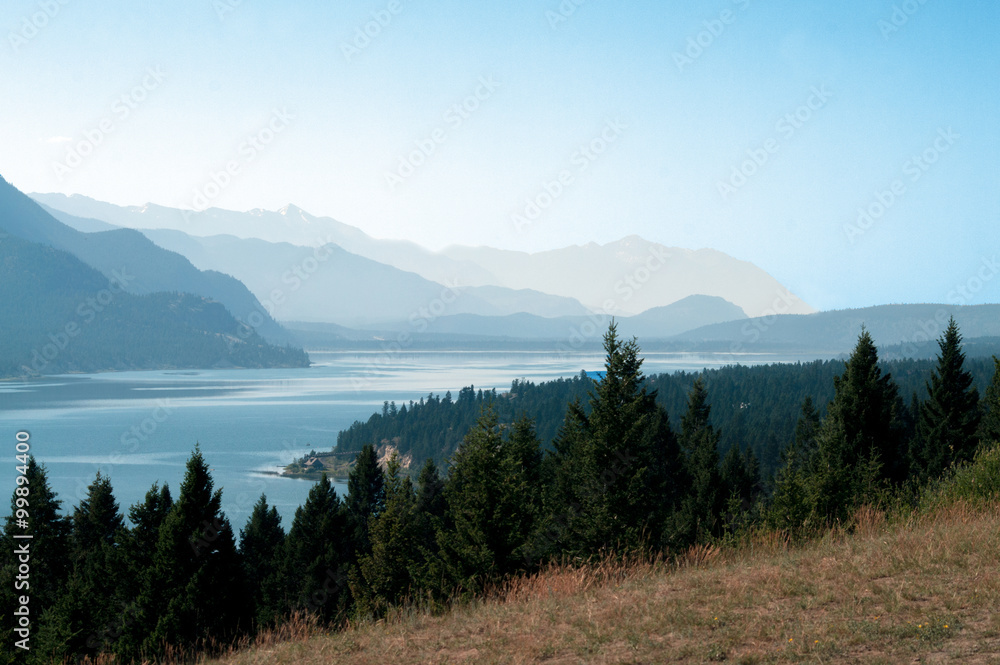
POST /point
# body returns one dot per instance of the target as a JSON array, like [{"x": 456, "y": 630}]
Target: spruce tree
[
  {"x": 317, "y": 556},
  {"x": 137, "y": 618},
  {"x": 386, "y": 574},
  {"x": 365, "y": 498},
  {"x": 48, "y": 550},
  {"x": 261, "y": 546},
  {"x": 195, "y": 592},
  {"x": 491, "y": 505},
  {"x": 949, "y": 417},
  {"x": 859, "y": 446},
  {"x": 83, "y": 620},
  {"x": 618, "y": 476},
  {"x": 790, "y": 504},
  {"x": 699, "y": 442},
  {"x": 989, "y": 426}
]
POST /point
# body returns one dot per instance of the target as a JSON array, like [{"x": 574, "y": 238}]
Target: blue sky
[{"x": 759, "y": 129}]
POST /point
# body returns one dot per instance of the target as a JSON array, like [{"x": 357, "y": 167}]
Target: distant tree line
[
  {"x": 618, "y": 478},
  {"x": 754, "y": 408}
]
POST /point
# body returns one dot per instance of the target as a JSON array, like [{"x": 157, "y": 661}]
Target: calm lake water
[{"x": 140, "y": 427}]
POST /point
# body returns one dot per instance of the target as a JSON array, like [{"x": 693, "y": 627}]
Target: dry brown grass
[{"x": 925, "y": 590}]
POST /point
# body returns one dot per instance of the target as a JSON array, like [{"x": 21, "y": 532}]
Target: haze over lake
[{"x": 140, "y": 427}]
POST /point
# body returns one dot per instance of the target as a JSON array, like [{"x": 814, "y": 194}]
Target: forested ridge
[
  {"x": 59, "y": 315},
  {"x": 619, "y": 478},
  {"x": 754, "y": 407}
]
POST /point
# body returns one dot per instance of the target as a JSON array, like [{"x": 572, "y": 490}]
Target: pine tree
[
  {"x": 81, "y": 622},
  {"x": 386, "y": 574},
  {"x": 261, "y": 546},
  {"x": 989, "y": 426},
  {"x": 316, "y": 565},
  {"x": 790, "y": 505},
  {"x": 365, "y": 498},
  {"x": 699, "y": 442},
  {"x": 491, "y": 504},
  {"x": 949, "y": 418},
  {"x": 858, "y": 445},
  {"x": 618, "y": 475},
  {"x": 195, "y": 591},
  {"x": 137, "y": 619}
]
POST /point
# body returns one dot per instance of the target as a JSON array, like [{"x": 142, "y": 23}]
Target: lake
[{"x": 140, "y": 427}]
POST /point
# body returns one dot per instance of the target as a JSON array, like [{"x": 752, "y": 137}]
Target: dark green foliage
[
  {"x": 49, "y": 565},
  {"x": 492, "y": 504},
  {"x": 261, "y": 548},
  {"x": 194, "y": 589},
  {"x": 81, "y": 622},
  {"x": 949, "y": 418},
  {"x": 365, "y": 499},
  {"x": 317, "y": 556},
  {"x": 617, "y": 474},
  {"x": 859, "y": 448},
  {"x": 989, "y": 426},
  {"x": 387, "y": 572},
  {"x": 703, "y": 503}
]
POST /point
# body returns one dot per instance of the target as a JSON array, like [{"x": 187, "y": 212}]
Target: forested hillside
[
  {"x": 618, "y": 481},
  {"x": 754, "y": 407},
  {"x": 59, "y": 315}
]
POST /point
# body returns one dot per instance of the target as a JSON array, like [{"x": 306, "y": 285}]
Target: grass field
[{"x": 921, "y": 589}]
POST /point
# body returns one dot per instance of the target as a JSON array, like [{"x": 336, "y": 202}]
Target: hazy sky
[{"x": 757, "y": 128}]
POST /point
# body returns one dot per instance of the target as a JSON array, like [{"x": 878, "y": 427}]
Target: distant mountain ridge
[
  {"x": 836, "y": 331},
  {"x": 58, "y": 314},
  {"x": 153, "y": 268},
  {"x": 631, "y": 274}
]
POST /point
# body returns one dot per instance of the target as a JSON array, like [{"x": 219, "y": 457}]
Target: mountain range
[
  {"x": 74, "y": 301},
  {"x": 632, "y": 274}
]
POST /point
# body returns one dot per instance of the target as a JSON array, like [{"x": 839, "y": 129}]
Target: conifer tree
[
  {"x": 50, "y": 538},
  {"x": 261, "y": 546},
  {"x": 859, "y": 444},
  {"x": 790, "y": 505},
  {"x": 81, "y": 622},
  {"x": 618, "y": 475},
  {"x": 989, "y": 426},
  {"x": 699, "y": 441},
  {"x": 137, "y": 619},
  {"x": 387, "y": 572},
  {"x": 195, "y": 590},
  {"x": 949, "y": 417},
  {"x": 365, "y": 498},
  {"x": 317, "y": 556},
  {"x": 491, "y": 504}
]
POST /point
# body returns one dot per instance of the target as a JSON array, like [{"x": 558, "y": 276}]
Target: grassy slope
[{"x": 923, "y": 590}]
